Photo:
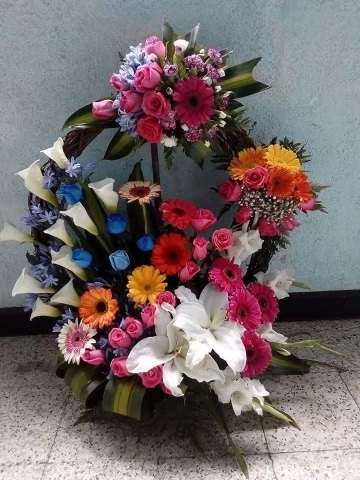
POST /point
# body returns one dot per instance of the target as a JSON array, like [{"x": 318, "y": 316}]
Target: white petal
[
  {"x": 44, "y": 310},
  {"x": 58, "y": 230},
  {"x": 192, "y": 319},
  {"x": 206, "y": 371},
  {"x": 149, "y": 353},
  {"x": 245, "y": 244},
  {"x": 33, "y": 180},
  {"x": 227, "y": 343},
  {"x": 63, "y": 259},
  {"x": 80, "y": 217},
  {"x": 169, "y": 141},
  {"x": 66, "y": 295},
  {"x": 104, "y": 190},
  {"x": 241, "y": 401},
  {"x": 266, "y": 331},
  {"x": 256, "y": 388},
  {"x": 215, "y": 304},
  {"x": 181, "y": 44},
  {"x": 56, "y": 153},
  {"x": 172, "y": 378},
  {"x": 9, "y": 232},
  {"x": 185, "y": 295},
  {"x": 196, "y": 352},
  {"x": 161, "y": 321},
  {"x": 27, "y": 284}
]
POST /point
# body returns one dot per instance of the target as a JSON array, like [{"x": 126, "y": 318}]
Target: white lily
[
  {"x": 33, "y": 179},
  {"x": 80, "y": 217},
  {"x": 66, "y": 296},
  {"x": 44, "y": 310},
  {"x": 58, "y": 230},
  {"x": 63, "y": 259},
  {"x": 243, "y": 393},
  {"x": 266, "y": 331},
  {"x": 27, "y": 284},
  {"x": 104, "y": 190},
  {"x": 168, "y": 348},
  {"x": 9, "y": 232},
  {"x": 180, "y": 45},
  {"x": 245, "y": 243},
  {"x": 279, "y": 282},
  {"x": 203, "y": 323},
  {"x": 56, "y": 153},
  {"x": 169, "y": 141}
]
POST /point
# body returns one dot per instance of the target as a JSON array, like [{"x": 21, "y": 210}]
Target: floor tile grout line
[
  {"x": 268, "y": 449},
  {"x": 348, "y": 389}
]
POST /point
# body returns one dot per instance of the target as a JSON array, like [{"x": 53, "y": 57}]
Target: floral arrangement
[{"x": 154, "y": 301}]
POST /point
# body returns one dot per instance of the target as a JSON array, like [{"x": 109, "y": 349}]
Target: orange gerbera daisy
[
  {"x": 302, "y": 189},
  {"x": 245, "y": 160},
  {"x": 281, "y": 182},
  {"x": 97, "y": 307},
  {"x": 171, "y": 253}
]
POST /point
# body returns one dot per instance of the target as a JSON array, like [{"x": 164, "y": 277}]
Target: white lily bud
[
  {"x": 104, "y": 190},
  {"x": 80, "y": 217},
  {"x": 184, "y": 127},
  {"x": 169, "y": 141},
  {"x": 44, "y": 310},
  {"x": 33, "y": 180},
  {"x": 217, "y": 89},
  {"x": 207, "y": 143},
  {"x": 180, "y": 46},
  {"x": 58, "y": 230},
  {"x": 222, "y": 123},
  {"x": 221, "y": 72},
  {"x": 56, "y": 153},
  {"x": 9, "y": 232},
  {"x": 221, "y": 114},
  {"x": 27, "y": 284},
  {"x": 66, "y": 296},
  {"x": 207, "y": 80},
  {"x": 63, "y": 259}
]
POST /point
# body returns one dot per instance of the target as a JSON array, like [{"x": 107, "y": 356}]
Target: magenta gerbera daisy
[
  {"x": 268, "y": 302},
  {"x": 194, "y": 101},
  {"x": 225, "y": 275},
  {"x": 244, "y": 309},
  {"x": 258, "y": 354}
]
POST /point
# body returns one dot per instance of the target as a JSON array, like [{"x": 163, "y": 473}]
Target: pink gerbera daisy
[
  {"x": 268, "y": 303},
  {"x": 225, "y": 275},
  {"x": 178, "y": 213},
  {"x": 138, "y": 190},
  {"x": 244, "y": 309},
  {"x": 194, "y": 101},
  {"x": 74, "y": 339},
  {"x": 258, "y": 354}
]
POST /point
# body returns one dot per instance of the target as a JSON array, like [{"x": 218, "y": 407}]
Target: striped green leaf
[
  {"x": 61, "y": 365},
  {"x": 197, "y": 151},
  {"x": 239, "y": 79},
  {"x": 121, "y": 145},
  {"x": 83, "y": 118},
  {"x": 287, "y": 365},
  {"x": 125, "y": 396},
  {"x": 86, "y": 382}
]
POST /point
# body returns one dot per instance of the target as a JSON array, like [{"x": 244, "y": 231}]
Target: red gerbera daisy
[
  {"x": 171, "y": 253},
  {"x": 244, "y": 309},
  {"x": 194, "y": 101},
  {"x": 178, "y": 213},
  {"x": 225, "y": 275},
  {"x": 268, "y": 302},
  {"x": 258, "y": 354}
]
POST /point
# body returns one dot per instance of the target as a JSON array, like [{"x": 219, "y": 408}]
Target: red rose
[
  {"x": 230, "y": 191},
  {"x": 222, "y": 239},
  {"x": 150, "y": 129},
  {"x": 131, "y": 101},
  {"x": 243, "y": 215},
  {"x": 155, "y": 104},
  {"x": 133, "y": 327},
  {"x": 115, "y": 81},
  {"x": 203, "y": 219},
  {"x": 267, "y": 228},
  {"x": 289, "y": 222},
  {"x": 255, "y": 177}
]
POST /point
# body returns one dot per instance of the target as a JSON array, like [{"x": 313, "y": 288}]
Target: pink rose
[
  {"x": 166, "y": 297},
  {"x": 131, "y": 101},
  {"x": 203, "y": 219},
  {"x": 289, "y": 222},
  {"x": 155, "y": 104},
  {"x": 150, "y": 129},
  {"x": 115, "y": 81},
  {"x": 151, "y": 40},
  {"x": 134, "y": 327},
  {"x": 189, "y": 271},
  {"x": 148, "y": 314},
  {"x": 94, "y": 357},
  {"x": 152, "y": 378},
  {"x": 230, "y": 191},
  {"x": 267, "y": 228},
  {"x": 310, "y": 205},
  {"x": 103, "y": 110},
  {"x": 147, "y": 76},
  {"x": 222, "y": 239},
  {"x": 200, "y": 245},
  {"x": 118, "y": 367},
  {"x": 243, "y": 215},
  {"x": 154, "y": 45},
  {"x": 255, "y": 177},
  {"x": 119, "y": 339}
]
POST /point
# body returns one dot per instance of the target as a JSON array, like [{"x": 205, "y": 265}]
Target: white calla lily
[
  {"x": 104, "y": 190},
  {"x": 27, "y": 284},
  {"x": 66, "y": 296},
  {"x": 56, "y": 153},
  {"x": 245, "y": 243},
  {"x": 58, "y": 230},
  {"x": 63, "y": 259},
  {"x": 80, "y": 217},
  {"x": 33, "y": 180},
  {"x": 279, "y": 282},
  {"x": 44, "y": 310},
  {"x": 9, "y": 232}
]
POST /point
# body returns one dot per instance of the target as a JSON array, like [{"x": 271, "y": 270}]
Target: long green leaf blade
[
  {"x": 83, "y": 118},
  {"x": 121, "y": 145},
  {"x": 268, "y": 407},
  {"x": 197, "y": 151},
  {"x": 124, "y": 396},
  {"x": 239, "y": 79},
  {"x": 287, "y": 365},
  {"x": 86, "y": 382}
]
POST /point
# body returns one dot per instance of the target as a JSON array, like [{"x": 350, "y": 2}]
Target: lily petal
[
  {"x": 33, "y": 180},
  {"x": 149, "y": 353},
  {"x": 266, "y": 331},
  {"x": 66, "y": 296},
  {"x": 80, "y": 217},
  {"x": 206, "y": 371},
  {"x": 63, "y": 259},
  {"x": 44, "y": 310},
  {"x": 56, "y": 153},
  {"x": 215, "y": 304},
  {"x": 58, "y": 230},
  {"x": 196, "y": 352},
  {"x": 27, "y": 284},
  {"x": 104, "y": 190},
  {"x": 185, "y": 295},
  {"x": 161, "y": 321},
  {"x": 9, "y": 232},
  {"x": 172, "y": 378},
  {"x": 227, "y": 343}
]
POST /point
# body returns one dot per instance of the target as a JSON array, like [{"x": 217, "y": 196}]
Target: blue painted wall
[{"x": 57, "y": 55}]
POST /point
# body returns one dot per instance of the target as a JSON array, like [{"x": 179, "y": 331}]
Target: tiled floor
[{"x": 38, "y": 439}]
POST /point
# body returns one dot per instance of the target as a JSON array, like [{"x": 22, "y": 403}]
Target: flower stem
[{"x": 155, "y": 169}]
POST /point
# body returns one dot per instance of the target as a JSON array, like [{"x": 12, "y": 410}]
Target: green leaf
[
  {"x": 32, "y": 259},
  {"x": 239, "y": 79},
  {"x": 121, "y": 145},
  {"x": 86, "y": 382},
  {"x": 269, "y": 407},
  {"x": 125, "y": 396},
  {"x": 83, "y": 118},
  {"x": 61, "y": 365},
  {"x": 168, "y": 33},
  {"x": 287, "y": 365},
  {"x": 198, "y": 151},
  {"x": 191, "y": 37},
  {"x": 301, "y": 285},
  {"x": 311, "y": 343}
]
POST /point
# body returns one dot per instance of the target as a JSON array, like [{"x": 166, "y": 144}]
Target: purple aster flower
[
  {"x": 215, "y": 56},
  {"x": 211, "y": 132},
  {"x": 30, "y": 220},
  {"x": 91, "y": 285},
  {"x": 49, "y": 281},
  {"x": 194, "y": 134},
  {"x": 212, "y": 73},
  {"x": 169, "y": 90},
  {"x": 170, "y": 69},
  {"x": 49, "y": 216},
  {"x": 44, "y": 255},
  {"x": 40, "y": 271},
  {"x": 49, "y": 179},
  {"x": 68, "y": 315},
  {"x": 103, "y": 342},
  {"x": 195, "y": 61},
  {"x": 73, "y": 169},
  {"x": 168, "y": 122},
  {"x": 36, "y": 208},
  {"x": 58, "y": 326},
  {"x": 224, "y": 102},
  {"x": 56, "y": 244},
  {"x": 30, "y": 300}
]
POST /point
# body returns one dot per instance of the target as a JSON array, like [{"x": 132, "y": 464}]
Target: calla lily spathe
[
  {"x": 66, "y": 296},
  {"x": 80, "y": 217},
  {"x": 33, "y": 180},
  {"x": 44, "y": 310},
  {"x": 27, "y": 284},
  {"x": 63, "y": 258},
  {"x": 104, "y": 190},
  {"x": 9, "y": 232},
  {"x": 245, "y": 244},
  {"x": 56, "y": 153},
  {"x": 58, "y": 230}
]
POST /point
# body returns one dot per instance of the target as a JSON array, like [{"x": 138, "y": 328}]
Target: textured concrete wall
[{"x": 57, "y": 55}]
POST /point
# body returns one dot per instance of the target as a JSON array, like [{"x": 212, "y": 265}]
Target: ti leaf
[
  {"x": 191, "y": 37},
  {"x": 239, "y": 79},
  {"x": 287, "y": 365},
  {"x": 197, "y": 151},
  {"x": 83, "y": 118},
  {"x": 121, "y": 145}
]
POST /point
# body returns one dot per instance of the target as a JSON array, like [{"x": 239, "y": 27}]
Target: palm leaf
[{"x": 239, "y": 79}]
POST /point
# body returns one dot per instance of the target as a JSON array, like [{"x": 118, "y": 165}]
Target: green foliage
[
  {"x": 121, "y": 145},
  {"x": 287, "y": 365},
  {"x": 239, "y": 79},
  {"x": 169, "y": 157},
  {"x": 275, "y": 412},
  {"x": 83, "y": 118}
]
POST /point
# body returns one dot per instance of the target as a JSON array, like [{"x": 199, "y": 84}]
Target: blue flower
[
  {"x": 50, "y": 281},
  {"x": 71, "y": 193},
  {"x": 119, "y": 260},
  {"x": 49, "y": 179},
  {"x": 30, "y": 300},
  {"x": 116, "y": 223},
  {"x": 127, "y": 123},
  {"x": 73, "y": 169},
  {"x": 146, "y": 243},
  {"x": 81, "y": 257}
]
